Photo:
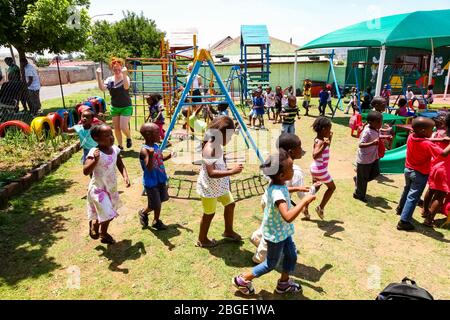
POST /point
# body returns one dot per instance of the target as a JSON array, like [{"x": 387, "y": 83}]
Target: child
[
  {"x": 156, "y": 112},
  {"x": 329, "y": 104},
  {"x": 353, "y": 101},
  {"x": 367, "y": 163},
  {"x": 222, "y": 109},
  {"x": 269, "y": 102},
  {"x": 293, "y": 146},
  {"x": 386, "y": 94},
  {"x": 419, "y": 154},
  {"x": 321, "y": 156},
  {"x": 213, "y": 183},
  {"x": 278, "y": 104},
  {"x": 410, "y": 97},
  {"x": 258, "y": 109},
  {"x": 439, "y": 180},
  {"x": 430, "y": 98},
  {"x": 367, "y": 99},
  {"x": 155, "y": 177},
  {"x": 323, "y": 100},
  {"x": 307, "y": 96},
  {"x": 288, "y": 113},
  {"x": 402, "y": 108},
  {"x": 277, "y": 227},
  {"x": 84, "y": 132},
  {"x": 103, "y": 196}
]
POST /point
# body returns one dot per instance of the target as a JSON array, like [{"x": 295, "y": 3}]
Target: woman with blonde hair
[{"x": 121, "y": 107}]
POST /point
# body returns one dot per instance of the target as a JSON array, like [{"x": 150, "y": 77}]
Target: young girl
[
  {"x": 293, "y": 146},
  {"x": 213, "y": 183},
  {"x": 156, "y": 112},
  {"x": 83, "y": 130},
  {"x": 321, "y": 156},
  {"x": 439, "y": 179},
  {"x": 103, "y": 196},
  {"x": 278, "y": 104},
  {"x": 353, "y": 101},
  {"x": 269, "y": 102},
  {"x": 277, "y": 227},
  {"x": 307, "y": 96}
]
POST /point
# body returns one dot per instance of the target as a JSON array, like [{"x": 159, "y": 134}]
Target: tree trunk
[{"x": 22, "y": 67}]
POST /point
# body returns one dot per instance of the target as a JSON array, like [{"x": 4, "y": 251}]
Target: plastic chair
[{"x": 356, "y": 124}]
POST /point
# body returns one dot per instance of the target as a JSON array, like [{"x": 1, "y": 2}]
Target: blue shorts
[{"x": 259, "y": 111}]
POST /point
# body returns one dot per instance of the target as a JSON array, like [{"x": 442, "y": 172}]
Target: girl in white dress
[{"x": 103, "y": 196}]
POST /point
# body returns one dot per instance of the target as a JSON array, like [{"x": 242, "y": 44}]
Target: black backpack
[{"x": 404, "y": 291}]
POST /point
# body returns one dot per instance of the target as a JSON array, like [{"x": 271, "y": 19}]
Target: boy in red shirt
[{"x": 419, "y": 153}]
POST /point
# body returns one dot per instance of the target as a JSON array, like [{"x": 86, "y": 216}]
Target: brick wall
[{"x": 49, "y": 76}]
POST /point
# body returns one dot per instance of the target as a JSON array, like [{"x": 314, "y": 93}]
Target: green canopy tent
[{"x": 421, "y": 30}]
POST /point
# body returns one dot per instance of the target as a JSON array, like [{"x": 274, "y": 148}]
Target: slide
[{"x": 393, "y": 161}]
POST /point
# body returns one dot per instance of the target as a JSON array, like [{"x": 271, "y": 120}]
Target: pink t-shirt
[{"x": 419, "y": 153}]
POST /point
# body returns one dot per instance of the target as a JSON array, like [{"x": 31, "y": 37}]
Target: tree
[
  {"x": 37, "y": 25},
  {"x": 133, "y": 36}
]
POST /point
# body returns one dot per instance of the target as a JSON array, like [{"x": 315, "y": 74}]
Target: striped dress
[{"x": 319, "y": 167}]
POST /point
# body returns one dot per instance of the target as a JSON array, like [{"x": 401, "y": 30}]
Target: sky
[{"x": 300, "y": 20}]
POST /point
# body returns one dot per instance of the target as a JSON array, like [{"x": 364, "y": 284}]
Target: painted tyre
[
  {"x": 69, "y": 116},
  {"x": 57, "y": 121},
  {"x": 14, "y": 124},
  {"x": 43, "y": 127}
]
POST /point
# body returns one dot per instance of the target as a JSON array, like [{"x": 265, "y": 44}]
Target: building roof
[
  {"x": 233, "y": 47},
  {"x": 221, "y": 43},
  {"x": 255, "y": 35},
  {"x": 182, "y": 38}
]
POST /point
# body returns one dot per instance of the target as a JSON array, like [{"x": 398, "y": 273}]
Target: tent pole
[
  {"x": 380, "y": 70},
  {"x": 447, "y": 78},
  {"x": 295, "y": 72},
  {"x": 430, "y": 72}
]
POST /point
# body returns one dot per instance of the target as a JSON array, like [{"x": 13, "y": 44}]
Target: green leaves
[
  {"x": 37, "y": 25},
  {"x": 133, "y": 36}
]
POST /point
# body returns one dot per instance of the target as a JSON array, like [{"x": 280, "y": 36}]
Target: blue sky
[{"x": 301, "y": 20}]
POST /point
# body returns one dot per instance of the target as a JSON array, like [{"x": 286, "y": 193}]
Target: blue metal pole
[
  {"x": 233, "y": 107},
  {"x": 336, "y": 85},
  {"x": 185, "y": 93}
]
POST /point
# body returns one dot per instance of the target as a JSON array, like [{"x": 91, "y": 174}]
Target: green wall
[
  {"x": 367, "y": 54},
  {"x": 281, "y": 75}
]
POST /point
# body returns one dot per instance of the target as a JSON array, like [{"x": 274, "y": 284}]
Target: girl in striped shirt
[{"x": 321, "y": 156}]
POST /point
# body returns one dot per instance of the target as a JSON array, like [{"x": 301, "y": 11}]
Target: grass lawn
[{"x": 353, "y": 254}]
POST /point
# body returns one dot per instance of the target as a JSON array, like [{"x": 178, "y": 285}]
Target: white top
[
  {"x": 208, "y": 187},
  {"x": 195, "y": 83},
  {"x": 269, "y": 99},
  {"x": 111, "y": 80},
  {"x": 409, "y": 95},
  {"x": 329, "y": 96},
  {"x": 297, "y": 181},
  {"x": 30, "y": 71}
]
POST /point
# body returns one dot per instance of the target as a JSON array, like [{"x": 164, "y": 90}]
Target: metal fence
[{"x": 57, "y": 81}]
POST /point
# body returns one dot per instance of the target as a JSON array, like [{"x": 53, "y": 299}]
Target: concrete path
[{"x": 55, "y": 92}]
